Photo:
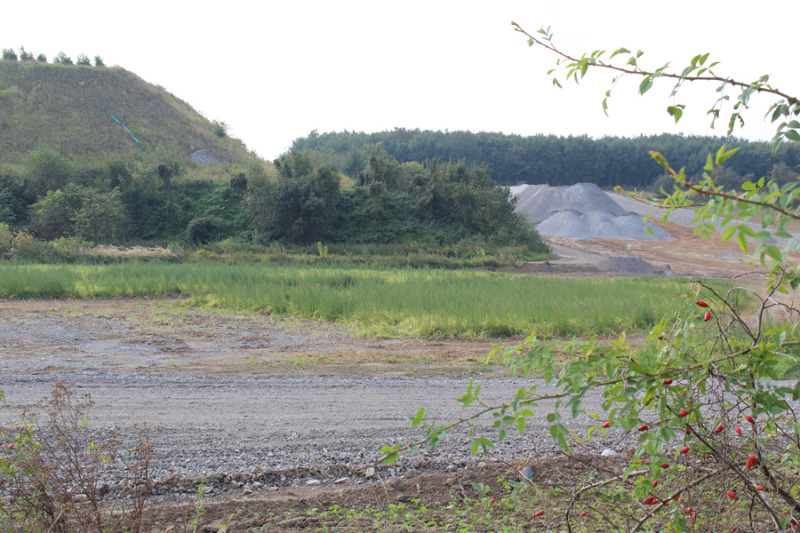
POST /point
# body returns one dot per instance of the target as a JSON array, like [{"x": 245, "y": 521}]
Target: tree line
[
  {"x": 9, "y": 54},
  {"x": 554, "y": 160},
  {"x": 293, "y": 200}
]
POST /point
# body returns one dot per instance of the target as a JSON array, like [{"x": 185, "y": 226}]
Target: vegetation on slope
[
  {"x": 68, "y": 108},
  {"x": 97, "y": 154}
]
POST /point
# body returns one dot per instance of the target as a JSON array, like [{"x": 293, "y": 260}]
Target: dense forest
[{"x": 548, "y": 159}]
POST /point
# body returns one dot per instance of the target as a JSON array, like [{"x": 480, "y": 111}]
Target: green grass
[{"x": 384, "y": 302}]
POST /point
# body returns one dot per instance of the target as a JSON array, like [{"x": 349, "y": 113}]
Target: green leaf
[
  {"x": 723, "y": 155},
  {"x": 417, "y": 418},
  {"x": 774, "y": 253},
  {"x": 728, "y": 233},
  {"x": 676, "y": 111},
  {"x": 742, "y": 242},
  {"x": 389, "y": 459},
  {"x": 792, "y": 372},
  {"x": 620, "y": 51},
  {"x": 646, "y": 84},
  {"x": 792, "y": 135}
]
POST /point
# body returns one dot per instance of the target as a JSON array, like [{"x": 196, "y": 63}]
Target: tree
[
  {"x": 23, "y": 55},
  {"x": 83, "y": 59},
  {"x": 62, "y": 59},
  {"x": 714, "y": 413},
  {"x": 41, "y": 58},
  {"x": 98, "y": 61},
  {"x": 9, "y": 54},
  {"x": 46, "y": 170}
]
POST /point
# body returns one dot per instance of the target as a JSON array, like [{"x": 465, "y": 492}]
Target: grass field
[{"x": 383, "y": 302}]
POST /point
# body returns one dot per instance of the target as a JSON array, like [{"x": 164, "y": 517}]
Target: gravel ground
[{"x": 142, "y": 365}]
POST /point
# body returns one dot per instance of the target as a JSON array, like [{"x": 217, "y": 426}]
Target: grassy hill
[{"x": 68, "y": 108}]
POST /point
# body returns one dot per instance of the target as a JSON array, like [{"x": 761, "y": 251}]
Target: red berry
[
  {"x": 683, "y": 394},
  {"x": 582, "y": 514},
  {"x": 688, "y": 430},
  {"x": 492, "y": 500},
  {"x": 752, "y": 458},
  {"x": 738, "y": 431},
  {"x": 750, "y": 419},
  {"x": 732, "y": 495},
  {"x": 694, "y": 517},
  {"x": 683, "y": 413},
  {"x": 707, "y": 316},
  {"x": 680, "y": 499},
  {"x": 685, "y": 449},
  {"x": 719, "y": 429},
  {"x": 661, "y": 337},
  {"x": 650, "y": 500},
  {"x": 655, "y": 483},
  {"x": 734, "y": 529},
  {"x": 644, "y": 427},
  {"x": 689, "y": 510},
  {"x": 607, "y": 424},
  {"x": 11, "y": 446},
  {"x": 668, "y": 381},
  {"x": 665, "y": 465},
  {"x": 759, "y": 487},
  {"x": 701, "y": 303},
  {"x": 538, "y": 513}
]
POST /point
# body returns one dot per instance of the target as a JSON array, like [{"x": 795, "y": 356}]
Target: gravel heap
[
  {"x": 627, "y": 265},
  {"x": 582, "y": 211}
]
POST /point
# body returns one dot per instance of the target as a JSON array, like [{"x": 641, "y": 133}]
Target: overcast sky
[{"x": 275, "y": 70}]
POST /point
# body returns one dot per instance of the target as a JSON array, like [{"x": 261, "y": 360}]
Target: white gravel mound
[{"x": 582, "y": 211}]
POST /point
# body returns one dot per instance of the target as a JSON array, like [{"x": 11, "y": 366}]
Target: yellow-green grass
[{"x": 384, "y": 302}]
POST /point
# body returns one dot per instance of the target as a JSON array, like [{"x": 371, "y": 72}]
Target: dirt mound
[
  {"x": 628, "y": 265},
  {"x": 582, "y": 211}
]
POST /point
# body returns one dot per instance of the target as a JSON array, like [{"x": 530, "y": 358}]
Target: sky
[{"x": 274, "y": 71}]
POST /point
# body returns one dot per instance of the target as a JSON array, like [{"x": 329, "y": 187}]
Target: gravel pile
[
  {"x": 582, "y": 211},
  {"x": 634, "y": 266}
]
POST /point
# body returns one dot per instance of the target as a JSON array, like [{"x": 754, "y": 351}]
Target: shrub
[
  {"x": 9, "y": 54},
  {"x": 51, "y": 472}
]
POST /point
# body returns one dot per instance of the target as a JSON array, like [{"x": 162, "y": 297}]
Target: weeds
[
  {"x": 53, "y": 472},
  {"x": 393, "y": 303}
]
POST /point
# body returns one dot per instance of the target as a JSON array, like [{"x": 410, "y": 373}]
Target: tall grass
[{"x": 391, "y": 302}]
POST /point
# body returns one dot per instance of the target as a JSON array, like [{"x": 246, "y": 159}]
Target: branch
[{"x": 547, "y": 43}]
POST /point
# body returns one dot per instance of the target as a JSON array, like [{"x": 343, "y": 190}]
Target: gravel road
[{"x": 224, "y": 423}]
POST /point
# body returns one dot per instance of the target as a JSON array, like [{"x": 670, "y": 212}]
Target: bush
[{"x": 51, "y": 472}]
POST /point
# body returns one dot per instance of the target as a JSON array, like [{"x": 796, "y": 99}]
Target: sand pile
[{"x": 582, "y": 211}]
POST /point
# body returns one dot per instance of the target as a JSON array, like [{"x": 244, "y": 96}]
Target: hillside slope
[{"x": 68, "y": 108}]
